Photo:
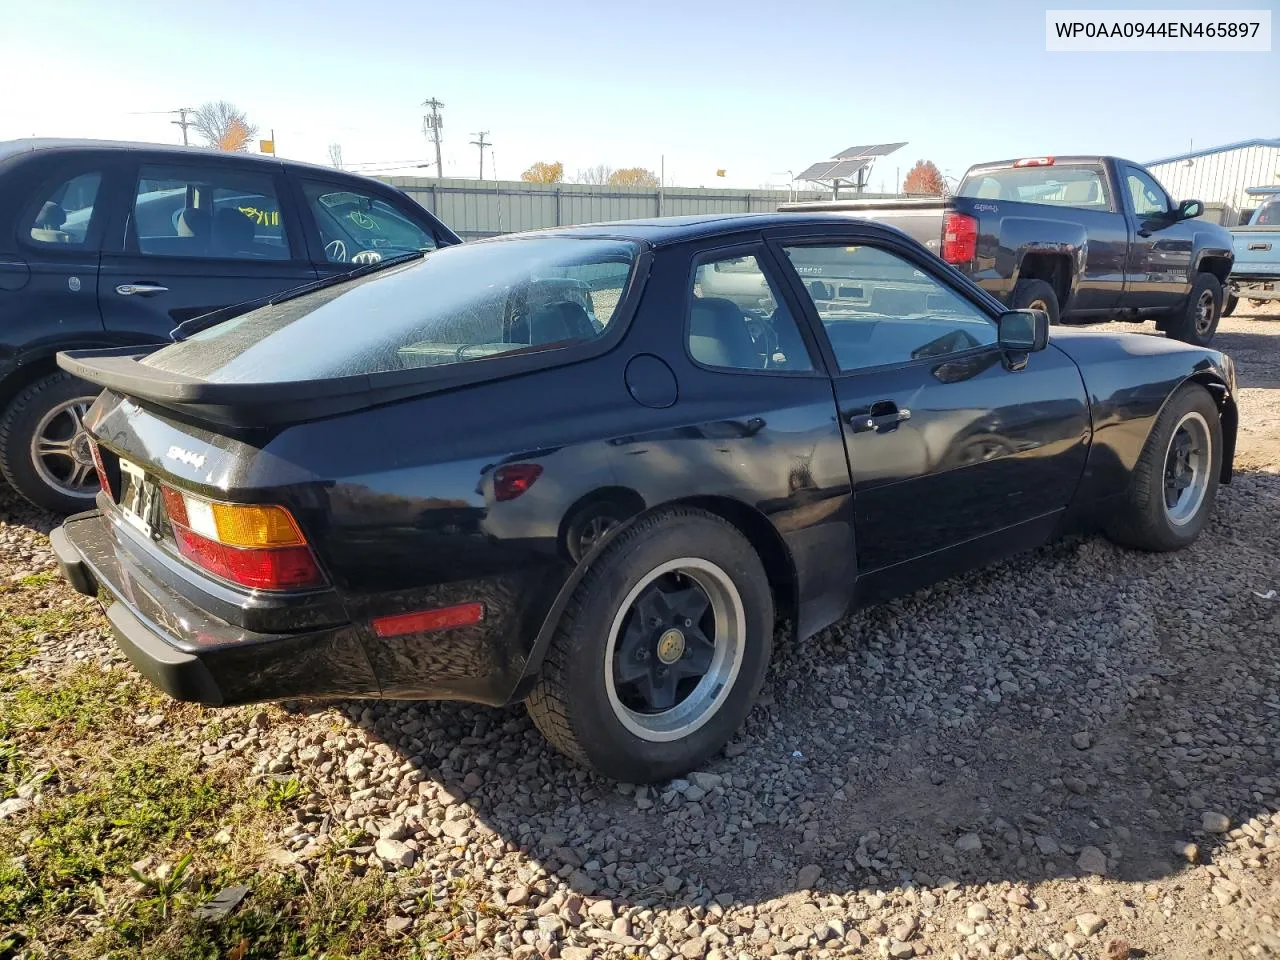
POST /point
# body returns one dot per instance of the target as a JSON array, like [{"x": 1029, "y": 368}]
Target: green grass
[{"x": 113, "y": 793}]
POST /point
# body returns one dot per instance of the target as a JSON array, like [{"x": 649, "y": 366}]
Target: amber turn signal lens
[{"x": 255, "y": 526}]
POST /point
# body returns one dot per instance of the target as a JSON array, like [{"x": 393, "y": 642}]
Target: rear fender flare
[{"x": 720, "y": 506}]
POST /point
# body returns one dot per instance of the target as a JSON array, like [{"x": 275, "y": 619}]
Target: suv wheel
[{"x": 45, "y": 452}]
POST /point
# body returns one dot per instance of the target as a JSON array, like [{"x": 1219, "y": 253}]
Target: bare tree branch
[{"x": 223, "y": 125}]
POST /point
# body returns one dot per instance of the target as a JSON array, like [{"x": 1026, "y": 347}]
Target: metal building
[{"x": 1220, "y": 175}]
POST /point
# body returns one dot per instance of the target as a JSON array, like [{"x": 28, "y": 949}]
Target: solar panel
[
  {"x": 832, "y": 170},
  {"x": 818, "y": 171},
  {"x": 845, "y": 169},
  {"x": 869, "y": 150}
]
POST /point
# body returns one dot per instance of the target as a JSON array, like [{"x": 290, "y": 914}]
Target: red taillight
[
  {"x": 1034, "y": 162},
  {"x": 98, "y": 466},
  {"x": 959, "y": 238},
  {"x": 513, "y": 479},
  {"x": 290, "y": 567},
  {"x": 425, "y": 621}
]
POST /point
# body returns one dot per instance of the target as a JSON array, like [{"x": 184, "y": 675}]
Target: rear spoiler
[{"x": 121, "y": 370}]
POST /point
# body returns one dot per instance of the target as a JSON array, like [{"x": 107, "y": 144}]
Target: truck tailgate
[
  {"x": 919, "y": 218},
  {"x": 1257, "y": 251}
]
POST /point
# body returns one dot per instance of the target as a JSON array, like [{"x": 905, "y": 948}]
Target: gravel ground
[{"x": 1073, "y": 754}]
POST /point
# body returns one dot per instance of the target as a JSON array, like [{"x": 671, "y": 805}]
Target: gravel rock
[
  {"x": 1082, "y": 740},
  {"x": 969, "y": 843},
  {"x": 1212, "y": 822},
  {"x": 394, "y": 854},
  {"x": 1090, "y": 923},
  {"x": 1092, "y": 860},
  {"x": 808, "y": 876}
]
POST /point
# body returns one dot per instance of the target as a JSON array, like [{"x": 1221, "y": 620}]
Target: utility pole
[
  {"x": 431, "y": 127},
  {"x": 182, "y": 122},
  {"x": 481, "y": 142}
]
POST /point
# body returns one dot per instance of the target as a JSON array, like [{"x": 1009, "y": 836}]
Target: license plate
[{"x": 139, "y": 498}]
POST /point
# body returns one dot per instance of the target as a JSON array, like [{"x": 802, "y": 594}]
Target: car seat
[
  {"x": 718, "y": 335},
  {"x": 552, "y": 323},
  {"x": 232, "y": 233}
]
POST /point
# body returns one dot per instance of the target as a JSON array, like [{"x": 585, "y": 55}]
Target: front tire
[
  {"x": 1229, "y": 307},
  {"x": 660, "y": 652},
  {"x": 1036, "y": 295},
  {"x": 1197, "y": 322},
  {"x": 44, "y": 448},
  {"x": 1176, "y": 478}
]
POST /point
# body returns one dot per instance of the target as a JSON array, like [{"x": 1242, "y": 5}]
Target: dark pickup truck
[{"x": 1078, "y": 237}]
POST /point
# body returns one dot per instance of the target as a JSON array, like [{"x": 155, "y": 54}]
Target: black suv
[{"x": 117, "y": 243}]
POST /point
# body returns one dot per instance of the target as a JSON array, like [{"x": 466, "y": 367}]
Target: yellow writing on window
[{"x": 263, "y": 218}]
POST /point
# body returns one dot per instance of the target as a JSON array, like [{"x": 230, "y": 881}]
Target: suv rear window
[
  {"x": 458, "y": 304},
  {"x": 63, "y": 215},
  {"x": 1061, "y": 186}
]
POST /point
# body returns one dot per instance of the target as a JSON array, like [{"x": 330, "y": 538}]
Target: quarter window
[
  {"x": 206, "y": 212},
  {"x": 879, "y": 308},
  {"x": 63, "y": 216},
  {"x": 358, "y": 227},
  {"x": 1147, "y": 198},
  {"x": 737, "y": 320}
]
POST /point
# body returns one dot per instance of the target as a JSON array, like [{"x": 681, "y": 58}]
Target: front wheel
[
  {"x": 1176, "y": 478},
  {"x": 45, "y": 451},
  {"x": 1229, "y": 307},
  {"x": 661, "y": 651},
  {"x": 1198, "y": 320}
]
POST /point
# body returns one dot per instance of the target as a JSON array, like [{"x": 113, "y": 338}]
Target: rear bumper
[{"x": 190, "y": 654}]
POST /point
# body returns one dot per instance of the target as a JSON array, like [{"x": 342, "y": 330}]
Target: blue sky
[{"x": 756, "y": 88}]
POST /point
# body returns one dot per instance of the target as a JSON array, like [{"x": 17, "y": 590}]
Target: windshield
[
  {"x": 458, "y": 304},
  {"x": 1059, "y": 185}
]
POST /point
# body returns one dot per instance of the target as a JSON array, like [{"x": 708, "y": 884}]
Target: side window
[
  {"x": 879, "y": 308},
  {"x": 1147, "y": 198},
  {"x": 206, "y": 212},
  {"x": 358, "y": 227},
  {"x": 64, "y": 213},
  {"x": 737, "y": 320}
]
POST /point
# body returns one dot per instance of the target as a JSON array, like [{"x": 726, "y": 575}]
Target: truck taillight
[
  {"x": 254, "y": 545},
  {"x": 959, "y": 238},
  {"x": 1034, "y": 162},
  {"x": 100, "y": 468}
]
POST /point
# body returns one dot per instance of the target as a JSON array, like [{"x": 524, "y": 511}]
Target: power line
[
  {"x": 431, "y": 127},
  {"x": 481, "y": 142},
  {"x": 182, "y": 120}
]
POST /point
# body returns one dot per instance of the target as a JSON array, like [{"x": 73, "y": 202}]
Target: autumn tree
[
  {"x": 543, "y": 172},
  {"x": 223, "y": 125},
  {"x": 925, "y": 178},
  {"x": 597, "y": 175},
  {"x": 633, "y": 177}
]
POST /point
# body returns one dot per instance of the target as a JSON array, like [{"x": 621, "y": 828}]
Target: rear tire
[
  {"x": 1175, "y": 481},
  {"x": 1036, "y": 295},
  {"x": 609, "y": 674},
  {"x": 44, "y": 451},
  {"x": 1197, "y": 322}
]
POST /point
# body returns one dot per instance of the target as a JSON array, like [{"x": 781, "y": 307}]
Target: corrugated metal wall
[
  {"x": 1222, "y": 178},
  {"x": 484, "y": 208}
]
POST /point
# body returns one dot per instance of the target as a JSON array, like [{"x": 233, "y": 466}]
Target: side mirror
[
  {"x": 1023, "y": 331},
  {"x": 1190, "y": 209}
]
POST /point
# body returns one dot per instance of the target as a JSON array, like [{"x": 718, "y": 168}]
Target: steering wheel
[{"x": 336, "y": 251}]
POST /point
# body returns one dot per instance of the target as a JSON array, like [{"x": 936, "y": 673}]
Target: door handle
[
  {"x": 141, "y": 289},
  {"x": 1259, "y": 246},
  {"x": 883, "y": 415}
]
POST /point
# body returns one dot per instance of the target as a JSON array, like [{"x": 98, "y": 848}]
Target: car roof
[
  {"x": 12, "y": 148},
  {"x": 663, "y": 231}
]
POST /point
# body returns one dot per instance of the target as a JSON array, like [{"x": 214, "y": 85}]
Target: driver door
[
  {"x": 957, "y": 451},
  {"x": 351, "y": 224}
]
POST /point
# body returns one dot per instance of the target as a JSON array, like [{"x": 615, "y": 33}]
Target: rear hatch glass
[{"x": 459, "y": 304}]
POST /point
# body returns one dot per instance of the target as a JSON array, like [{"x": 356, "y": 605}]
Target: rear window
[
  {"x": 1267, "y": 215},
  {"x": 1060, "y": 186},
  {"x": 459, "y": 304}
]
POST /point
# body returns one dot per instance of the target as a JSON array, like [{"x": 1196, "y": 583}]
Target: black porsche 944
[{"x": 591, "y": 468}]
